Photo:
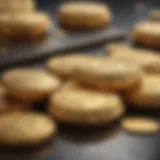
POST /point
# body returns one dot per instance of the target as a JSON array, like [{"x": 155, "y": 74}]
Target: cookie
[
  {"x": 141, "y": 125},
  {"x": 85, "y": 107},
  {"x": 9, "y": 104},
  {"x": 155, "y": 15},
  {"x": 147, "y": 96},
  {"x": 30, "y": 84},
  {"x": 109, "y": 74},
  {"x": 84, "y": 15},
  {"x": 17, "y": 6},
  {"x": 147, "y": 34},
  {"x": 147, "y": 59},
  {"x": 66, "y": 66},
  {"x": 25, "y": 129},
  {"x": 26, "y": 25}
]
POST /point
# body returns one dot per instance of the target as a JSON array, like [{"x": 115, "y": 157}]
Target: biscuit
[
  {"x": 141, "y": 125},
  {"x": 146, "y": 96},
  {"x": 17, "y": 6},
  {"x": 27, "y": 25},
  {"x": 25, "y": 129},
  {"x": 84, "y": 15},
  {"x": 66, "y": 66},
  {"x": 147, "y": 34},
  {"x": 9, "y": 104},
  {"x": 155, "y": 15},
  {"x": 109, "y": 74},
  {"x": 147, "y": 59},
  {"x": 85, "y": 107},
  {"x": 30, "y": 84}
]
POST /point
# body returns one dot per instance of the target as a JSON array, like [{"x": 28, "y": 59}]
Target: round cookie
[
  {"x": 148, "y": 60},
  {"x": 155, "y": 15},
  {"x": 30, "y": 84},
  {"x": 147, "y": 96},
  {"x": 66, "y": 66},
  {"x": 28, "y": 25},
  {"x": 147, "y": 33},
  {"x": 85, "y": 107},
  {"x": 109, "y": 74},
  {"x": 84, "y": 15},
  {"x": 16, "y": 6},
  {"x": 141, "y": 125},
  {"x": 25, "y": 129}
]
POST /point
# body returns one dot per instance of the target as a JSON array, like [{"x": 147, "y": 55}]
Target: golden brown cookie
[
  {"x": 28, "y": 25},
  {"x": 25, "y": 129},
  {"x": 147, "y": 59},
  {"x": 85, "y": 107},
  {"x": 66, "y": 66},
  {"x": 109, "y": 74},
  {"x": 30, "y": 84},
  {"x": 17, "y": 6},
  {"x": 147, "y": 33},
  {"x": 148, "y": 95},
  {"x": 141, "y": 125},
  {"x": 84, "y": 15}
]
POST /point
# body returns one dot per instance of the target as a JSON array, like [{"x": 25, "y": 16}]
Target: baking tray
[{"x": 13, "y": 52}]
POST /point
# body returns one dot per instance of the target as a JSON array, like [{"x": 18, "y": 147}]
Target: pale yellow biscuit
[
  {"x": 28, "y": 25},
  {"x": 30, "y": 84},
  {"x": 141, "y": 125},
  {"x": 17, "y": 6},
  {"x": 85, "y": 107},
  {"x": 147, "y": 33},
  {"x": 147, "y": 96},
  {"x": 147, "y": 59},
  {"x": 84, "y": 15},
  {"x": 109, "y": 74},
  {"x": 25, "y": 129},
  {"x": 66, "y": 66}
]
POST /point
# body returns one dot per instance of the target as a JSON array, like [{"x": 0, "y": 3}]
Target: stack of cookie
[
  {"x": 20, "y": 18},
  {"x": 91, "y": 95},
  {"x": 147, "y": 96},
  {"x": 20, "y": 125}
]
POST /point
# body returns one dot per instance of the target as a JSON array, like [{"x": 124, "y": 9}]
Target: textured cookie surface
[
  {"x": 84, "y": 15},
  {"x": 109, "y": 74},
  {"x": 147, "y": 33},
  {"x": 30, "y": 84},
  {"x": 141, "y": 125},
  {"x": 19, "y": 129},
  {"x": 148, "y": 95},
  {"x": 66, "y": 66},
  {"x": 85, "y": 107}
]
